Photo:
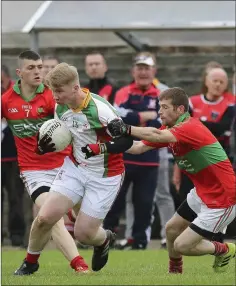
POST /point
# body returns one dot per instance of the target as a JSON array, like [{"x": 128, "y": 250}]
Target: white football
[{"x": 58, "y": 131}]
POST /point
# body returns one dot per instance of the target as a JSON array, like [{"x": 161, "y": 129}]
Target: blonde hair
[{"x": 61, "y": 75}]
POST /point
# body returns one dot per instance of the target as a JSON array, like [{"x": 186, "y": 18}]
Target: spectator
[
  {"x": 11, "y": 182},
  {"x": 49, "y": 62},
  {"x": 213, "y": 108},
  {"x": 6, "y": 81},
  {"x": 96, "y": 69},
  {"x": 138, "y": 106},
  {"x": 164, "y": 203}
]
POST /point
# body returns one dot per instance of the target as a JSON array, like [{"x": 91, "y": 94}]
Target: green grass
[{"x": 124, "y": 268}]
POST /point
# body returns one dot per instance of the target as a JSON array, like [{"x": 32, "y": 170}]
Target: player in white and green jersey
[
  {"x": 88, "y": 126},
  {"x": 83, "y": 179}
]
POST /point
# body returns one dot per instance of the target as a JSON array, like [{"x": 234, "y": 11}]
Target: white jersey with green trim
[{"x": 88, "y": 126}]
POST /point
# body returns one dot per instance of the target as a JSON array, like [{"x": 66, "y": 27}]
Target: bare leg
[
  {"x": 174, "y": 227},
  {"x": 49, "y": 222},
  {"x": 190, "y": 243},
  {"x": 88, "y": 230},
  {"x": 53, "y": 206}
]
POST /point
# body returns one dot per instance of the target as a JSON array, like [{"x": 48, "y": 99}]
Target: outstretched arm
[
  {"x": 152, "y": 134},
  {"x": 118, "y": 128},
  {"x": 139, "y": 147}
]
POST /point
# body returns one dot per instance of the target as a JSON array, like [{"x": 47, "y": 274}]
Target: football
[{"x": 58, "y": 131}]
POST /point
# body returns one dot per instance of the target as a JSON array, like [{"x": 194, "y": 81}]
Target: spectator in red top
[
  {"x": 209, "y": 66},
  {"x": 11, "y": 182},
  {"x": 96, "y": 69}
]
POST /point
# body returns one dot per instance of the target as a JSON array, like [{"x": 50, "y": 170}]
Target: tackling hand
[
  {"x": 91, "y": 150},
  {"x": 44, "y": 146},
  {"x": 118, "y": 128}
]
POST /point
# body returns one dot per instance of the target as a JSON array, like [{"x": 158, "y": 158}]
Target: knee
[
  {"x": 83, "y": 236},
  {"x": 43, "y": 221},
  {"x": 172, "y": 230},
  {"x": 180, "y": 246}
]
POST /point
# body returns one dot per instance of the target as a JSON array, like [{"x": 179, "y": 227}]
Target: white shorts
[
  {"x": 212, "y": 220},
  {"x": 97, "y": 194},
  {"x": 36, "y": 179}
]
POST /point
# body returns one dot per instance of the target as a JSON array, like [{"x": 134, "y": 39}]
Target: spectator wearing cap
[
  {"x": 164, "y": 204},
  {"x": 96, "y": 69},
  {"x": 138, "y": 106}
]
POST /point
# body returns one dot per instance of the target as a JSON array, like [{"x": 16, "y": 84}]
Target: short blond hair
[{"x": 61, "y": 75}]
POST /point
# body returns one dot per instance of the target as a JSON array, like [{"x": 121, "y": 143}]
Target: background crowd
[{"x": 153, "y": 186}]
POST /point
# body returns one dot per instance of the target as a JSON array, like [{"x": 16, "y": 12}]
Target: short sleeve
[{"x": 189, "y": 133}]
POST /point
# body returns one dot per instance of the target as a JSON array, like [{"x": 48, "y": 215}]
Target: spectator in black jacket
[
  {"x": 11, "y": 182},
  {"x": 96, "y": 69}
]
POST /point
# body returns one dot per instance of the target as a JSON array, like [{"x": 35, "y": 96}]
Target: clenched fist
[{"x": 118, "y": 128}]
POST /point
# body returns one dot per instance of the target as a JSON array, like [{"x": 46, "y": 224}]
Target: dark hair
[
  {"x": 210, "y": 65},
  {"x": 95, "y": 53},
  {"x": 5, "y": 69},
  {"x": 177, "y": 95},
  {"x": 29, "y": 55},
  {"x": 51, "y": 57}
]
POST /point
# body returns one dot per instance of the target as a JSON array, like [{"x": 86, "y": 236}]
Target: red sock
[
  {"x": 130, "y": 240},
  {"x": 220, "y": 248},
  {"x": 78, "y": 262},
  {"x": 32, "y": 258},
  {"x": 175, "y": 265}
]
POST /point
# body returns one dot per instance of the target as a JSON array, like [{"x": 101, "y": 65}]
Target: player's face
[
  {"x": 143, "y": 75},
  {"x": 65, "y": 94},
  {"x": 48, "y": 65},
  {"x": 216, "y": 82},
  {"x": 31, "y": 72},
  {"x": 168, "y": 113},
  {"x": 95, "y": 66}
]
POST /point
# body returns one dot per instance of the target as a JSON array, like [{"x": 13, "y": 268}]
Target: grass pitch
[{"x": 124, "y": 268}]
